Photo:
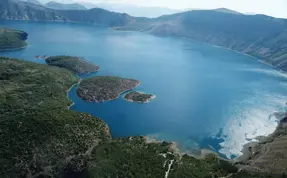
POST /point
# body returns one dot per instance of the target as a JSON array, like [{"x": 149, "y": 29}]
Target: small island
[
  {"x": 74, "y": 63},
  {"x": 41, "y": 57},
  {"x": 12, "y": 39},
  {"x": 104, "y": 88},
  {"x": 139, "y": 97}
]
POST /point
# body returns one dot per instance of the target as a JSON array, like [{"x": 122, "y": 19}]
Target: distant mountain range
[
  {"x": 133, "y": 10},
  {"x": 260, "y": 36},
  {"x": 32, "y": 2},
  {"x": 60, "y": 6},
  {"x": 144, "y": 11},
  {"x": 136, "y": 11},
  {"x": 17, "y": 10}
]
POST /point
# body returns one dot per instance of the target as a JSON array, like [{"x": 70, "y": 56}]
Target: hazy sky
[{"x": 277, "y": 8}]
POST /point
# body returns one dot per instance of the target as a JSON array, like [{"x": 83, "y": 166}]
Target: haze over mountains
[
  {"x": 137, "y": 11},
  {"x": 261, "y": 36},
  {"x": 16, "y": 10},
  {"x": 131, "y": 9},
  {"x": 60, "y": 6},
  {"x": 33, "y": 2}
]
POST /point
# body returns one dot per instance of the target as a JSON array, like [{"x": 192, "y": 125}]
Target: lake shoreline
[
  {"x": 185, "y": 37},
  {"x": 174, "y": 146},
  {"x": 68, "y": 91},
  {"x": 14, "y": 49},
  {"x": 203, "y": 151},
  {"x": 109, "y": 100},
  {"x": 236, "y": 51},
  {"x": 252, "y": 143},
  {"x": 121, "y": 93}
]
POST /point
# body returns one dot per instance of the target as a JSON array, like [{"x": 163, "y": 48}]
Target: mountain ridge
[
  {"x": 225, "y": 10},
  {"x": 137, "y": 11},
  {"x": 17, "y": 10},
  {"x": 61, "y": 6},
  {"x": 35, "y": 2},
  {"x": 260, "y": 36}
]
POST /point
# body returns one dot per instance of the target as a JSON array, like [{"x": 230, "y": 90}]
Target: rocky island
[
  {"x": 104, "y": 88},
  {"x": 74, "y": 63},
  {"x": 139, "y": 97},
  {"x": 12, "y": 39}
]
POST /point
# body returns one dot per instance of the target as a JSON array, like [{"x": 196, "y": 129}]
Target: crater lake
[{"x": 206, "y": 97}]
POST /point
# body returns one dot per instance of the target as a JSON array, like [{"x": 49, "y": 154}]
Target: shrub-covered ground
[
  {"x": 41, "y": 138},
  {"x": 74, "y": 63},
  {"x": 103, "y": 88},
  {"x": 138, "y": 97},
  {"x": 38, "y": 135},
  {"x": 12, "y": 39}
]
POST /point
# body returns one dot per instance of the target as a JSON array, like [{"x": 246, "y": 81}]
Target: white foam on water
[{"x": 248, "y": 119}]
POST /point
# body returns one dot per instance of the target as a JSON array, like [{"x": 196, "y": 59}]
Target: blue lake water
[{"x": 207, "y": 97}]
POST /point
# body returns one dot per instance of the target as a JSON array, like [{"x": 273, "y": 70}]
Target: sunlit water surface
[{"x": 207, "y": 97}]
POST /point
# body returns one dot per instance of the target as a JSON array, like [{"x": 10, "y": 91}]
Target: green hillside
[{"x": 40, "y": 137}]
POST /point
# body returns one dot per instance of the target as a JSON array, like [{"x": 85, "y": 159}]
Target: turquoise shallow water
[{"x": 207, "y": 97}]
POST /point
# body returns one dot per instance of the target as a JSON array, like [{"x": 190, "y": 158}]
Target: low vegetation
[
  {"x": 74, "y": 63},
  {"x": 103, "y": 88},
  {"x": 130, "y": 157},
  {"x": 133, "y": 157},
  {"x": 12, "y": 39},
  {"x": 138, "y": 97},
  {"x": 210, "y": 166},
  {"x": 40, "y": 137}
]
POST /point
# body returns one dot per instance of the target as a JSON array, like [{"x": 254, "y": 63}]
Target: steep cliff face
[
  {"x": 260, "y": 36},
  {"x": 16, "y": 10}
]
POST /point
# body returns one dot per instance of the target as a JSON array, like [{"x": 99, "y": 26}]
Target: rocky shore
[{"x": 269, "y": 154}]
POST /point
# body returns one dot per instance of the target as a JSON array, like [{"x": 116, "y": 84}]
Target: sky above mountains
[{"x": 276, "y": 8}]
